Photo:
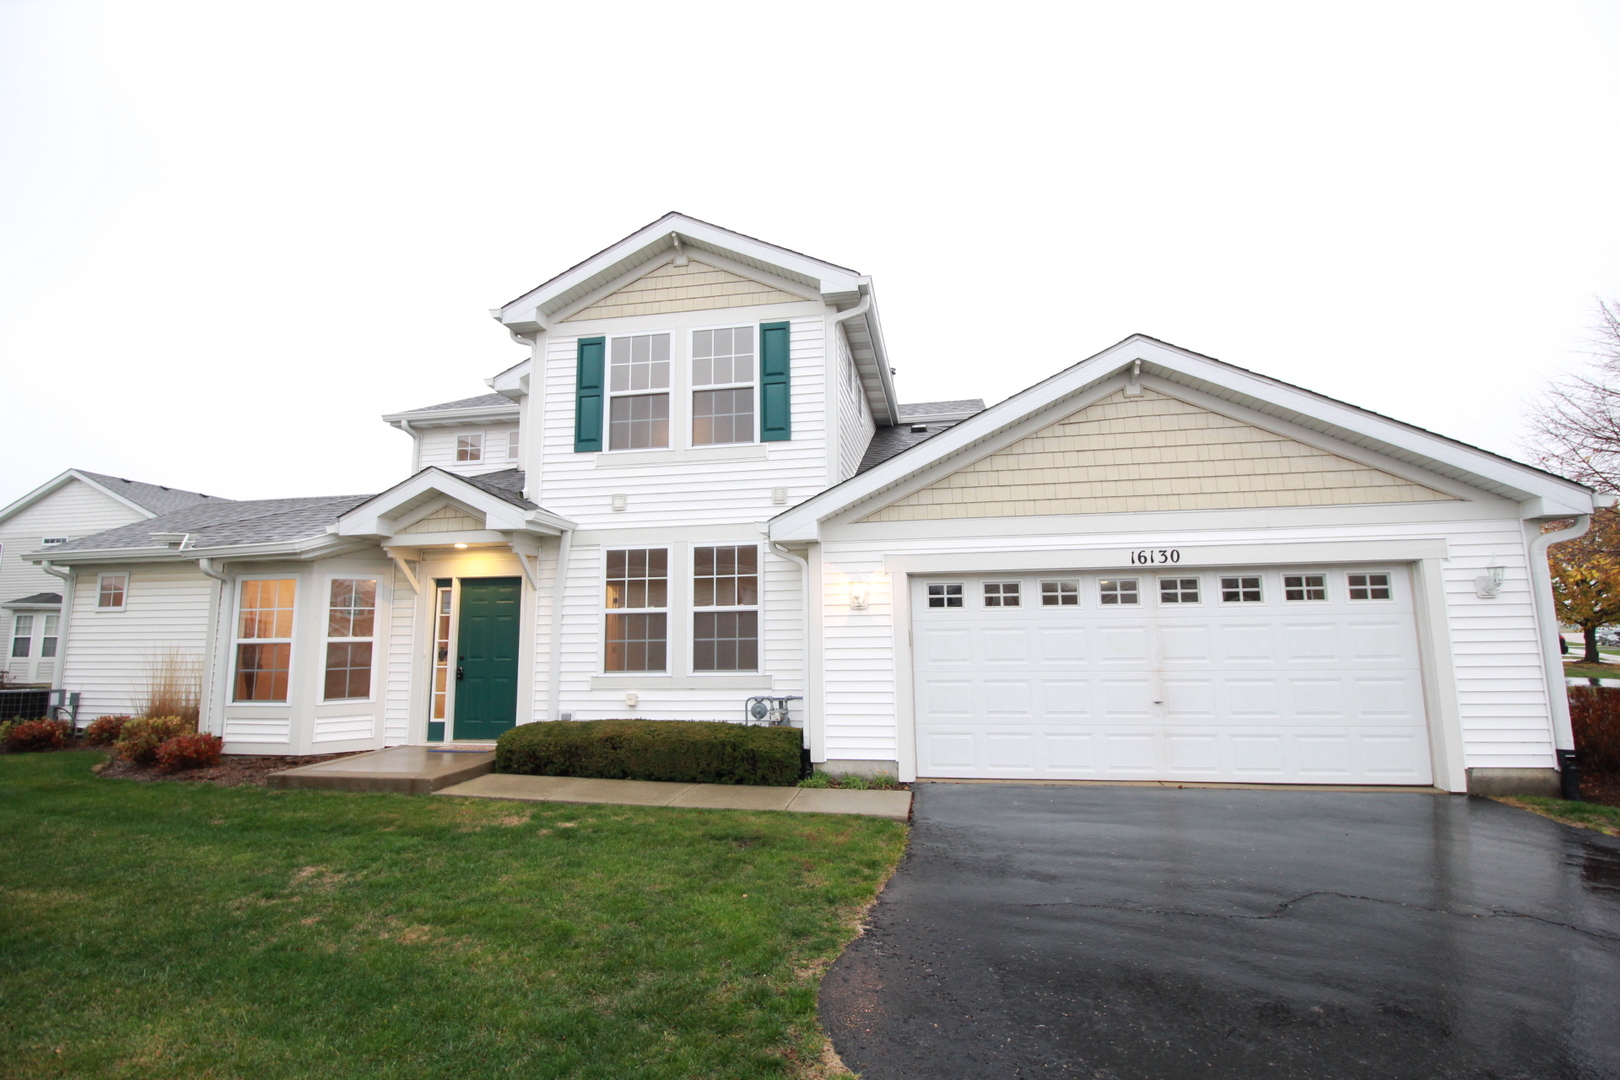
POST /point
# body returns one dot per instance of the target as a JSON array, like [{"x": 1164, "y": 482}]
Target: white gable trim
[
  {"x": 1540, "y": 494},
  {"x": 433, "y": 486},
  {"x": 56, "y": 483}
]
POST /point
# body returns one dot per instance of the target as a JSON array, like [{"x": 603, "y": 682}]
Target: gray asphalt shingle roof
[
  {"x": 154, "y": 497},
  {"x": 921, "y": 409},
  {"x": 222, "y": 522},
  {"x": 482, "y": 401},
  {"x": 36, "y": 598},
  {"x": 889, "y": 441},
  {"x": 506, "y": 484}
]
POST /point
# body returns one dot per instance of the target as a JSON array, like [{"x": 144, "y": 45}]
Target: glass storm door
[{"x": 486, "y": 657}]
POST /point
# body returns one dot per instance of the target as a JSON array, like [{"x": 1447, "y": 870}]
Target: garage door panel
[{"x": 1271, "y": 691}]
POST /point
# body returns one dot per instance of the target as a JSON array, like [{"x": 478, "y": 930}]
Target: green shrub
[
  {"x": 1594, "y": 712},
  {"x": 818, "y": 779},
  {"x": 104, "y": 730},
  {"x": 691, "y": 752},
  {"x": 5, "y": 729},
  {"x": 139, "y": 740},
  {"x": 27, "y": 735},
  {"x": 189, "y": 752},
  {"x": 853, "y": 782}
]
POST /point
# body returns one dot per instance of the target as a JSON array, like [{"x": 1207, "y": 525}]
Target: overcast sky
[{"x": 234, "y": 234}]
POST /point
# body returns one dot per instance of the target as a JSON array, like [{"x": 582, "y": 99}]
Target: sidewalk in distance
[{"x": 577, "y": 789}]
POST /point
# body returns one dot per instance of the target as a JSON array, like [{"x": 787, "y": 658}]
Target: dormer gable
[{"x": 683, "y": 285}]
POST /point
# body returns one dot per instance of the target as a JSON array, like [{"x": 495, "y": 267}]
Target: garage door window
[
  {"x": 1001, "y": 594},
  {"x": 1304, "y": 586},
  {"x": 1178, "y": 590},
  {"x": 944, "y": 596},
  {"x": 1369, "y": 586},
  {"x": 1240, "y": 590},
  {"x": 1060, "y": 594},
  {"x": 1117, "y": 590}
]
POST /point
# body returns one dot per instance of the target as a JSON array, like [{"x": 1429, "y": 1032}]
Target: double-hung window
[
  {"x": 725, "y": 598},
  {"x": 264, "y": 624},
  {"x": 723, "y": 386},
  {"x": 637, "y": 602},
  {"x": 351, "y": 620},
  {"x": 47, "y": 641},
  {"x": 22, "y": 634},
  {"x": 638, "y": 392}
]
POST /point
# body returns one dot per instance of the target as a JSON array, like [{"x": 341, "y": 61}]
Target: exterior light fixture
[
  {"x": 461, "y": 545},
  {"x": 857, "y": 595},
  {"x": 1489, "y": 584}
]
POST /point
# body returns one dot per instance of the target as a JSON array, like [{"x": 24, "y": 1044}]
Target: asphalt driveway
[{"x": 1144, "y": 933}]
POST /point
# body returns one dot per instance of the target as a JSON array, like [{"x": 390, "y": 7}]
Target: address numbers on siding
[{"x": 1155, "y": 556}]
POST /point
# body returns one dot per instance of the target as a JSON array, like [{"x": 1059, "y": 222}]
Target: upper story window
[
  {"x": 51, "y": 541},
  {"x": 110, "y": 591},
  {"x": 512, "y": 445},
  {"x": 470, "y": 447},
  {"x": 723, "y": 386},
  {"x": 638, "y": 392}
]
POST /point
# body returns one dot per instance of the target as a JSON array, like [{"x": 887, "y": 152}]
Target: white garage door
[{"x": 1258, "y": 676}]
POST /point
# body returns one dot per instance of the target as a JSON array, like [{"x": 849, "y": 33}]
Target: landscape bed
[{"x": 183, "y": 930}]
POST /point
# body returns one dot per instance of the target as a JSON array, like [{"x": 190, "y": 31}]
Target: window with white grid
[
  {"x": 637, "y": 602},
  {"x": 723, "y": 386},
  {"x": 638, "y": 392},
  {"x": 1060, "y": 593},
  {"x": 22, "y": 634},
  {"x": 1305, "y": 587},
  {"x": 351, "y": 619},
  {"x": 725, "y": 599},
  {"x": 1178, "y": 590},
  {"x": 1369, "y": 586},
  {"x": 944, "y": 596},
  {"x": 1241, "y": 589},
  {"x": 470, "y": 447},
  {"x": 111, "y": 590},
  {"x": 1001, "y": 594},
  {"x": 1117, "y": 591},
  {"x": 511, "y": 446}
]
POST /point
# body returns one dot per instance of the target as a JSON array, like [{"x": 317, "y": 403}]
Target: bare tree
[{"x": 1575, "y": 428}]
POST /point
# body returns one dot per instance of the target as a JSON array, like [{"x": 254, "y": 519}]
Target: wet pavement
[{"x": 1139, "y": 933}]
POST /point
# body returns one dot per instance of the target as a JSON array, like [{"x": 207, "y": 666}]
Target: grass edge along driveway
[{"x": 178, "y": 930}]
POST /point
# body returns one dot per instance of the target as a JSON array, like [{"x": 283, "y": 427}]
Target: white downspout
[
  {"x": 416, "y": 445},
  {"x": 811, "y": 707},
  {"x": 70, "y": 584},
  {"x": 554, "y": 674},
  {"x": 212, "y": 657},
  {"x": 1547, "y": 617}
]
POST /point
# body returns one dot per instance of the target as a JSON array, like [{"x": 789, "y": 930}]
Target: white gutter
[
  {"x": 69, "y": 585},
  {"x": 565, "y": 542},
  {"x": 1547, "y": 617},
  {"x": 811, "y": 715},
  {"x": 880, "y": 354}
]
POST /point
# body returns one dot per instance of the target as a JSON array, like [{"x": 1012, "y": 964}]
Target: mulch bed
[
  {"x": 233, "y": 769},
  {"x": 1601, "y": 788}
]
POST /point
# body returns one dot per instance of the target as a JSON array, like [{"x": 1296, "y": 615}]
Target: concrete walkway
[
  {"x": 577, "y": 789},
  {"x": 406, "y": 770}
]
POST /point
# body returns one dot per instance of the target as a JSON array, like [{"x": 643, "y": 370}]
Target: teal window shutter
[
  {"x": 775, "y": 390},
  {"x": 589, "y": 382}
]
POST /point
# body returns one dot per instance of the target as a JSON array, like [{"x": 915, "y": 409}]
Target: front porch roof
[{"x": 497, "y": 496}]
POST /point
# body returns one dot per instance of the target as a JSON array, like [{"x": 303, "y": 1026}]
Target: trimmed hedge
[{"x": 684, "y": 751}]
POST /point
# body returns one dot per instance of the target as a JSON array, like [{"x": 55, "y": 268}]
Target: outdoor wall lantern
[
  {"x": 857, "y": 595},
  {"x": 1489, "y": 584}
]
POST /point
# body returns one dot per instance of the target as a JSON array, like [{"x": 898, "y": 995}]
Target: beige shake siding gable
[
  {"x": 1150, "y": 453},
  {"x": 693, "y": 287}
]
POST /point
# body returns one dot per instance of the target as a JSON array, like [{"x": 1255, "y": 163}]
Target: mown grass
[
  {"x": 1604, "y": 819},
  {"x": 1576, "y": 669},
  {"x": 178, "y": 930}
]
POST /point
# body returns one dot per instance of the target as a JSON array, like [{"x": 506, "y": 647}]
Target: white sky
[{"x": 233, "y": 234}]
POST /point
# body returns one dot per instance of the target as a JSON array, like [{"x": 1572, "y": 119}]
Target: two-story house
[{"x": 700, "y": 486}]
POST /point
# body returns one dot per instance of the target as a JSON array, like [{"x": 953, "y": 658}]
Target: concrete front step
[
  {"x": 406, "y": 770},
  {"x": 578, "y": 789}
]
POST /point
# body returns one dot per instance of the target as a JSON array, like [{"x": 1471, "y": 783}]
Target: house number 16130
[{"x": 1152, "y": 556}]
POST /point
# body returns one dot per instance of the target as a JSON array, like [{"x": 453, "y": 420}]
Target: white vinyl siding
[
  {"x": 855, "y": 423},
  {"x": 110, "y": 660},
  {"x": 75, "y": 509},
  {"x": 438, "y": 448}
]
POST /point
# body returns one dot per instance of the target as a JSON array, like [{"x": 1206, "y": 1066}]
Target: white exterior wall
[
  {"x": 684, "y": 485},
  {"x": 73, "y": 510},
  {"x": 1502, "y": 709},
  {"x": 111, "y": 654},
  {"x": 437, "y": 448},
  {"x": 855, "y": 423}
]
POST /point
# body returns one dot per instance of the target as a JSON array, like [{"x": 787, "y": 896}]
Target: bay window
[
  {"x": 264, "y": 624},
  {"x": 351, "y": 619}
]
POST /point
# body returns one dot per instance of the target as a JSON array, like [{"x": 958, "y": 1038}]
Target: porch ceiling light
[{"x": 460, "y": 545}]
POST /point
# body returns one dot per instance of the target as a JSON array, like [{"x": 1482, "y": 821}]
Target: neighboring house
[
  {"x": 701, "y": 486},
  {"x": 75, "y": 504}
]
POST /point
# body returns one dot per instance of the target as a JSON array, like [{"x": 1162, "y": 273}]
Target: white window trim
[
  {"x": 292, "y": 653},
  {"x": 1389, "y": 576},
  {"x": 100, "y": 589},
  {"x": 677, "y": 380},
  {"x": 669, "y": 610},
  {"x": 692, "y": 609},
  {"x": 1018, "y": 594},
  {"x": 692, "y": 388},
  {"x": 14, "y": 637},
  {"x": 514, "y": 443},
  {"x": 1158, "y": 591},
  {"x": 1282, "y": 585},
  {"x": 1119, "y": 595},
  {"x": 328, "y": 639},
  {"x": 479, "y": 448}
]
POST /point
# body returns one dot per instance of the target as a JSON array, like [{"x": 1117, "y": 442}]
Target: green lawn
[
  {"x": 180, "y": 930},
  {"x": 1605, "y": 819},
  {"x": 1599, "y": 671}
]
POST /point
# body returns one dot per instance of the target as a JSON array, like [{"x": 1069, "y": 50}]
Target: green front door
[{"x": 486, "y": 657}]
